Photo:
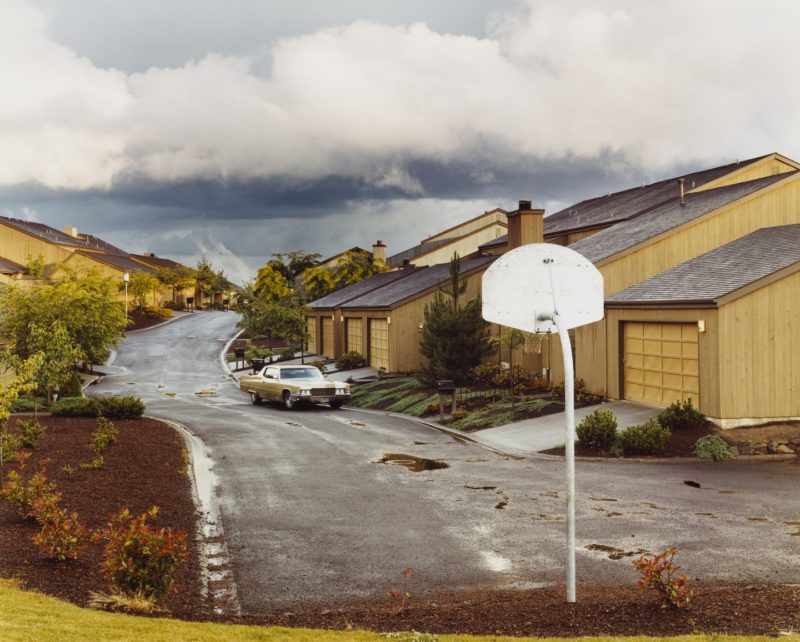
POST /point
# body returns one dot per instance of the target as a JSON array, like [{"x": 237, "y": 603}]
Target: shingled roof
[
  {"x": 120, "y": 261},
  {"x": 713, "y": 275},
  {"x": 630, "y": 233},
  {"x": 46, "y": 233},
  {"x": 626, "y": 204},
  {"x": 418, "y": 282},
  {"x": 155, "y": 261},
  {"x": 337, "y": 298}
]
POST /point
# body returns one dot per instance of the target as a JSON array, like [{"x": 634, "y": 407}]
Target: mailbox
[
  {"x": 446, "y": 386},
  {"x": 257, "y": 364},
  {"x": 238, "y": 353}
]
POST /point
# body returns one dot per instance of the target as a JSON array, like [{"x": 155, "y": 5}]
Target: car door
[{"x": 271, "y": 385}]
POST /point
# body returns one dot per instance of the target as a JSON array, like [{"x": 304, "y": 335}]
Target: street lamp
[{"x": 126, "y": 277}]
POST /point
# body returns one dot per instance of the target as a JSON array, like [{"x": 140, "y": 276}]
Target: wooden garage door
[
  {"x": 379, "y": 343},
  {"x": 354, "y": 335},
  {"x": 327, "y": 337},
  {"x": 661, "y": 363},
  {"x": 311, "y": 328}
]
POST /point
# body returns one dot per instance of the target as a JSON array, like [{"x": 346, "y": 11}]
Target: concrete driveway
[{"x": 311, "y": 516}]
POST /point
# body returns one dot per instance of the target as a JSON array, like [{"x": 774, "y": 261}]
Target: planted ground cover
[{"x": 476, "y": 409}]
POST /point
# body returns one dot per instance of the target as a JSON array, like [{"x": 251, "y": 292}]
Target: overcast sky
[{"x": 236, "y": 128}]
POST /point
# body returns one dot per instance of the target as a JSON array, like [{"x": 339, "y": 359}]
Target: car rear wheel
[
  {"x": 335, "y": 403},
  {"x": 255, "y": 399},
  {"x": 288, "y": 402}
]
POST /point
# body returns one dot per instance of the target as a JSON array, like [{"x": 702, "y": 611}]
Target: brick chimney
[
  {"x": 72, "y": 231},
  {"x": 379, "y": 251},
  {"x": 525, "y": 226}
]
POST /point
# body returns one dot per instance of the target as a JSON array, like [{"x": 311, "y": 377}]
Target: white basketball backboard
[{"x": 526, "y": 286}]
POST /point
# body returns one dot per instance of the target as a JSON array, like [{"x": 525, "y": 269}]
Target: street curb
[
  {"x": 219, "y": 583},
  {"x": 224, "y": 351}
]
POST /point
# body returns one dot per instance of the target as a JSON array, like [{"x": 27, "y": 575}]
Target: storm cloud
[{"x": 230, "y": 152}]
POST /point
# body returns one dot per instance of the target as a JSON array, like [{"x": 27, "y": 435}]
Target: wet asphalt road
[{"x": 310, "y": 516}]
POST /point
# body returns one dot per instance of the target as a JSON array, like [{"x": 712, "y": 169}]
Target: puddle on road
[
  {"x": 206, "y": 392},
  {"x": 757, "y": 519},
  {"x": 169, "y": 394},
  {"x": 480, "y": 487},
  {"x": 357, "y": 424},
  {"x": 614, "y": 553},
  {"x": 603, "y": 499},
  {"x": 414, "y": 464},
  {"x": 797, "y": 534}
]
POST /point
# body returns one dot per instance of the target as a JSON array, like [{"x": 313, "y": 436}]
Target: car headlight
[{"x": 305, "y": 393}]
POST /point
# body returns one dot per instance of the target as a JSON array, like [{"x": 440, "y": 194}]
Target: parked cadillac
[{"x": 291, "y": 385}]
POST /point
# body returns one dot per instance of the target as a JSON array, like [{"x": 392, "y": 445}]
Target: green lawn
[{"x": 26, "y": 616}]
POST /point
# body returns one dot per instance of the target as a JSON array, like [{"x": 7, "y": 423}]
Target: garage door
[
  {"x": 379, "y": 343},
  {"x": 354, "y": 336},
  {"x": 661, "y": 363},
  {"x": 311, "y": 328},
  {"x": 327, "y": 337}
]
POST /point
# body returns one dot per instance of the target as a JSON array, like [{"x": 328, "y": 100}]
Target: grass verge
[{"x": 28, "y": 616}]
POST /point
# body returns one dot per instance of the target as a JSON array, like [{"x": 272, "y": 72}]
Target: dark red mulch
[
  {"x": 680, "y": 444},
  {"x": 142, "y": 320},
  {"x": 599, "y": 610},
  {"x": 146, "y": 467}
]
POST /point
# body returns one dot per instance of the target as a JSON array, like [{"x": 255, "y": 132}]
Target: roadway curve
[{"x": 310, "y": 516}]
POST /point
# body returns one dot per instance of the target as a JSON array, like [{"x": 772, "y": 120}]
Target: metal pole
[
  {"x": 569, "y": 451},
  {"x": 126, "y": 297}
]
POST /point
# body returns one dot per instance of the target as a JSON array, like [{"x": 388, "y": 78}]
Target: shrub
[
  {"x": 253, "y": 352},
  {"x": 648, "y": 438},
  {"x": 459, "y": 413},
  {"x": 28, "y": 404},
  {"x": 36, "y": 496},
  {"x": 127, "y": 407},
  {"x": 161, "y": 313},
  {"x": 104, "y": 435},
  {"x": 74, "y": 407},
  {"x": 319, "y": 364},
  {"x": 61, "y": 535},
  {"x": 712, "y": 447},
  {"x": 583, "y": 395},
  {"x": 73, "y": 387},
  {"x": 139, "y": 559},
  {"x": 598, "y": 429},
  {"x": 288, "y": 352},
  {"x": 660, "y": 574},
  {"x": 10, "y": 444},
  {"x": 350, "y": 361},
  {"x": 681, "y": 416},
  {"x": 30, "y": 432}
]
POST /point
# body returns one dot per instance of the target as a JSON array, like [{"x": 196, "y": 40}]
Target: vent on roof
[{"x": 682, "y": 193}]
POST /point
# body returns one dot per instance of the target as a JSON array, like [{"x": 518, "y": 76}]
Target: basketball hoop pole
[
  {"x": 569, "y": 434},
  {"x": 569, "y": 451}
]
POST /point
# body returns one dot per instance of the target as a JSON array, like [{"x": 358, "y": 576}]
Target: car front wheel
[
  {"x": 288, "y": 402},
  {"x": 335, "y": 403},
  {"x": 255, "y": 398}
]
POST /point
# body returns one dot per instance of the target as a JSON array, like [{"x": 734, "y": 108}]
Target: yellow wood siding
[
  {"x": 379, "y": 343},
  {"x": 311, "y": 328},
  {"x": 327, "y": 347},
  {"x": 354, "y": 336},
  {"x": 463, "y": 246},
  {"x": 494, "y": 216},
  {"x": 760, "y": 348},
  {"x": 405, "y": 327},
  {"x": 20, "y": 247},
  {"x": 777, "y": 205},
  {"x": 661, "y": 363}
]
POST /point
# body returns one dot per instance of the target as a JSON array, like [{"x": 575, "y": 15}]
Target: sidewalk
[{"x": 542, "y": 433}]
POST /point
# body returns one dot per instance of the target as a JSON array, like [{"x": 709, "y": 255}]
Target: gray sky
[{"x": 237, "y": 128}]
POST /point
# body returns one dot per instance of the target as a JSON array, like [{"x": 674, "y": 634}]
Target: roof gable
[{"x": 724, "y": 270}]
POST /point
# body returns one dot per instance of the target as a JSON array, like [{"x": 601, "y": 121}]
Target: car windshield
[{"x": 301, "y": 373}]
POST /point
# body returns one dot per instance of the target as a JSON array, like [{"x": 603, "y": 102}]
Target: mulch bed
[
  {"x": 142, "y": 320},
  {"x": 680, "y": 444},
  {"x": 147, "y": 466}
]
